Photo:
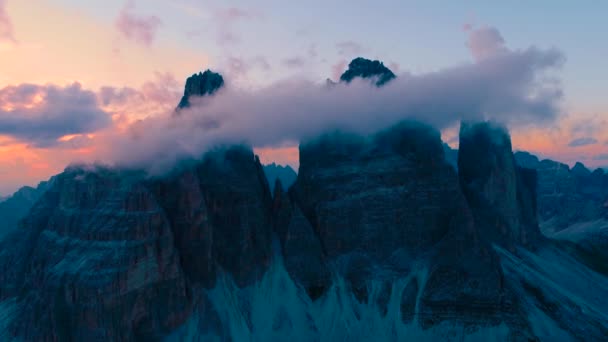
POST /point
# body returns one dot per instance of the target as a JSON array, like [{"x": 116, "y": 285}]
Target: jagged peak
[
  {"x": 369, "y": 69},
  {"x": 201, "y": 84},
  {"x": 580, "y": 169}
]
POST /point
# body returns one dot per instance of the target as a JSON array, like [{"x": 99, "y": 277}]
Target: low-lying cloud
[
  {"x": 508, "y": 86},
  {"x": 40, "y": 115}
]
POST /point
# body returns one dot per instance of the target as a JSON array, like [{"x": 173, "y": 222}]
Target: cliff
[{"x": 379, "y": 237}]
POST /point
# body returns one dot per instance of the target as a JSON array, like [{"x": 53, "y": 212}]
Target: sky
[{"x": 77, "y": 78}]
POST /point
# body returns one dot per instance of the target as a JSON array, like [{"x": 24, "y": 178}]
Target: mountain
[
  {"x": 573, "y": 207},
  {"x": 201, "y": 84},
  {"x": 285, "y": 174},
  {"x": 451, "y": 155},
  {"x": 16, "y": 207},
  {"x": 567, "y": 196},
  {"x": 113, "y": 255},
  {"x": 367, "y": 69},
  {"x": 378, "y": 238}
]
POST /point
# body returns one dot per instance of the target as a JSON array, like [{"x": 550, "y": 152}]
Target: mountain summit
[
  {"x": 365, "y": 68},
  {"x": 201, "y": 84}
]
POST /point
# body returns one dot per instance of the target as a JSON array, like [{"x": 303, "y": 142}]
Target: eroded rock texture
[
  {"x": 379, "y": 237},
  {"x": 108, "y": 255}
]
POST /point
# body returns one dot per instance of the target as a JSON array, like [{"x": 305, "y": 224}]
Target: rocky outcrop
[
  {"x": 573, "y": 208},
  {"x": 16, "y": 207},
  {"x": 502, "y": 196},
  {"x": 368, "y": 199},
  {"x": 567, "y": 196},
  {"x": 367, "y": 69},
  {"x": 99, "y": 263},
  {"x": 275, "y": 172},
  {"x": 111, "y": 255},
  {"x": 373, "y": 207},
  {"x": 201, "y": 84},
  {"x": 451, "y": 156}
]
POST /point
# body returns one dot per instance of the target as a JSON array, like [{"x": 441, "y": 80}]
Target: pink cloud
[
  {"x": 6, "y": 25},
  {"x": 141, "y": 30},
  {"x": 152, "y": 98},
  {"x": 40, "y": 115},
  {"x": 338, "y": 68}
]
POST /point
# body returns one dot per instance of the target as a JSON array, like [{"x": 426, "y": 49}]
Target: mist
[{"x": 512, "y": 87}]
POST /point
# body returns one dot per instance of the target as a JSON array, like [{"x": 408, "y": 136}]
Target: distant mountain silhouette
[
  {"x": 285, "y": 174},
  {"x": 16, "y": 207}
]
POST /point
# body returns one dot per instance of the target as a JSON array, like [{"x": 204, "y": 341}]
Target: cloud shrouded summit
[{"x": 501, "y": 84}]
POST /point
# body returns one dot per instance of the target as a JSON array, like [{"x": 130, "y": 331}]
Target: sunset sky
[{"x": 73, "y": 73}]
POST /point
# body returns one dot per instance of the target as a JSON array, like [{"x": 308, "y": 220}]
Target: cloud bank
[
  {"x": 504, "y": 85},
  {"x": 40, "y": 115}
]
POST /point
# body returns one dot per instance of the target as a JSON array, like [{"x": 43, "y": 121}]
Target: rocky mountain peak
[
  {"x": 579, "y": 169},
  {"x": 501, "y": 195},
  {"x": 201, "y": 84},
  {"x": 368, "y": 69}
]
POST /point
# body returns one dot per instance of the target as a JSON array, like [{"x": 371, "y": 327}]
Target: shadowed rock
[
  {"x": 367, "y": 69},
  {"x": 110, "y": 255},
  {"x": 201, "y": 84},
  {"x": 275, "y": 172},
  {"x": 377, "y": 202},
  {"x": 16, "y": 207},
  {"x": 501, "y": 195}
]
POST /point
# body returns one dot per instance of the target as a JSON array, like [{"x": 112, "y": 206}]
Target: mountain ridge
[
  {"x": 388, "y": 236},
  {"x": 165, "y": 251}
]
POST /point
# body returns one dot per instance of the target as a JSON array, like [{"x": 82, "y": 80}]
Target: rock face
[
  {"x": 368, "y": 69},
  {"x": 501, "y": 195},
  {"x": 573, "y": 208},
  {"x": 14, "y": 208},
  {"x": 368, "y": 199},
  {"x": 379, "y": 238},
  {"x": 201, "y": 84},
  {"x": 109, "y": 255},
  {"x": 567, "y": 196},
  {"x": 371, "y": 209}
]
